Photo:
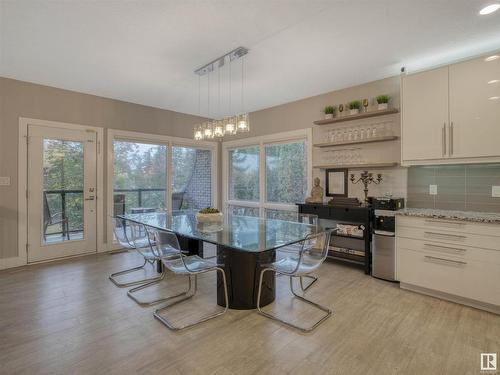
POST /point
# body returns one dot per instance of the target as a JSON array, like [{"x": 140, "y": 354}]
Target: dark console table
[{"x": 361, "y": 216}]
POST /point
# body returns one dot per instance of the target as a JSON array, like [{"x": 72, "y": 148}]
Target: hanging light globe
[{"x": 243, "y": 123}]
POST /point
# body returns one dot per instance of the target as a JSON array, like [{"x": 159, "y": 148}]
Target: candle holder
[{"x": 366, "y": 178}]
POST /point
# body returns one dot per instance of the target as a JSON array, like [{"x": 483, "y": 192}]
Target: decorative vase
[
  {"x": 354, "y": 111},
  {"x": 209, "y": 218},
  {"x": 328, "y": 116},
  {"x": 382, "y": 106}
]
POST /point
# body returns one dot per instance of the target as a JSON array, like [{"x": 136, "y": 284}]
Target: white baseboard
[
  {"x": 12, "y": 262},
  {"x": 452, "y": 298}
]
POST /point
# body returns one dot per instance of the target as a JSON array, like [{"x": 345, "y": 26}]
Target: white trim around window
[
  {"x": 114, "y": 134},
  {"x": 261, "y": 142}
]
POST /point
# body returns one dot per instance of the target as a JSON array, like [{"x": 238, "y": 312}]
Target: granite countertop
[{"x": 478, "y": 217}]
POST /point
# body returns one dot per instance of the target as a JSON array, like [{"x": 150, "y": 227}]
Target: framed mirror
[{"x": 337, "y": 182}]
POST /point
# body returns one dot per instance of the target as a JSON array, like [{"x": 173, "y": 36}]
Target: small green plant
[
  {"x": 383, "y": 99},
  {"x": 329, "y": 110},
  {"x": 209, "y": 210},
  {"x": 355, "y": 104}
]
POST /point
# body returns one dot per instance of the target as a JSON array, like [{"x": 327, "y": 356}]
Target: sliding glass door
[
  {"x": 139, "y": 176},
  {"x": 192, "y": 178}
]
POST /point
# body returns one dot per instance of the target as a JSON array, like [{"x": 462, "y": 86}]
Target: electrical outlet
[
  {"x": 4, "y": 181},
  {"x": 433, "y": 189},
  {"x": 495, "y": 191}
]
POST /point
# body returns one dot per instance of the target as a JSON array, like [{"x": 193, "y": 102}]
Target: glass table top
[{"x": 246, "y": 233}]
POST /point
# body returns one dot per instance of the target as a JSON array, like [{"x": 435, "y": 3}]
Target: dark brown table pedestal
[{"x": 242, "y": 275}]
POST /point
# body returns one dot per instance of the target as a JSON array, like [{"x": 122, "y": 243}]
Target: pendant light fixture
[{"x": 230, "y": 124}]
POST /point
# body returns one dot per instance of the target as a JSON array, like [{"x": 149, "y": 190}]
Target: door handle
[
  {"x": 445, "y": 247},
  {"x": 90, "y": 198},
  {"x": 445, "y": 260},
  {"x": 451, "y": 138},
  {"x": 443, "y": 137},
  {"x": 444, "y": 234}
]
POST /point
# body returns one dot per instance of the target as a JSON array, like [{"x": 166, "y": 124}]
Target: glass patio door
[{"x": 62, "y": 166}]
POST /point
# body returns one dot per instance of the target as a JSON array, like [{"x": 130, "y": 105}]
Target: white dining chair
[{"x": 312, "y": 253}]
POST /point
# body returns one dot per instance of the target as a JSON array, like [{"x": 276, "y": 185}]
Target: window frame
[
  {"x": 262, "y": 141},
  {"x": 156, "y": 139}
]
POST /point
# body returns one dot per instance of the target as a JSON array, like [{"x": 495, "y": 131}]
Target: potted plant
[
  {"x": 354, "y": 107},
  {"x": 209, "y": 215},
  {"x": 383, "y": 101},
  {"x": 329, "y": 112}
]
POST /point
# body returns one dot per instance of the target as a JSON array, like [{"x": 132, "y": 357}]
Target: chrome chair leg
[
  {"x": 165, "y": 321},
  {"x": 312, "y": 277},
  {"x": 131, "y": 292},
  {"x": 113, "y": 276},
  {"x": 271, "y": 316}
]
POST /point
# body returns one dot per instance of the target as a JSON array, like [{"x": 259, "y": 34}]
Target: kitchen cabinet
[
  {"x": 452, "y": 114},
  {"x": 454, "y": 260},
  {"x": 474, "y": 111},
  {"x": 425, "y": 114}
]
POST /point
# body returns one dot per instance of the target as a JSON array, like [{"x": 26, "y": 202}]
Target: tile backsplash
[{"x": 459, "y": 187}]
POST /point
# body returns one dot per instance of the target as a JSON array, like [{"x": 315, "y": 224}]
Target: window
[
  {"x": 244, "y": 174},
  {"x": 192, "y": 178},
  {"x": 266, "y": 173},
  {"x": 140, "y": 176},
  {"x": 286, "y": 172}
]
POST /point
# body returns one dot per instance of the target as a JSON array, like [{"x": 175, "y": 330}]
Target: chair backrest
[
  {"x": 165, "y": 239},
  {"x": 140, "y": 237},
  {"x": 314, "y": 250},
  {"x": 120, "y": 232}
]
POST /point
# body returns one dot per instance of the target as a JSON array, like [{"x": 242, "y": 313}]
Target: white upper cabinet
[
  {"x": 475, "y": 108},
  {"x": 452, "y": 114},
  {"x": 425, "y": 115}
]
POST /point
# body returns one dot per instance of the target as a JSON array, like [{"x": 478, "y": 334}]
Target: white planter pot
[
  {"x": 354, "y": 111},
  {"x": 383, "y": 106},
  {"x": 209, "y": 218},
  {"x": 328, "y": 116}
]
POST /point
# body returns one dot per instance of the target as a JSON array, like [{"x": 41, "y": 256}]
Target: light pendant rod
[{"x": 220, "y": 61}]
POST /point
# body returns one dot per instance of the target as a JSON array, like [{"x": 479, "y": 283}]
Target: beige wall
[
  {"x": 22, "y": 99},
  {"x": 301, "y": 114}
]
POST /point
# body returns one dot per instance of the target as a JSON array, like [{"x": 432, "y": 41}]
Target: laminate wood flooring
[{"x": 66, "y": 317}]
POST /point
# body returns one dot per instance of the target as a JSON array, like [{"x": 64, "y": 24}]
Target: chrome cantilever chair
[
  {"x": 308, "y": 259},
  {"x": 310, "y": 219},
  {"x": 188, "y": 266},
  {"x": 160, "y": 250},
  {"x": 134, "y": 240}
]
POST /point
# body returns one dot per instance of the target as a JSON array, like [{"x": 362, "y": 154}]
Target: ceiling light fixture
[
  {"x": 489, "y": 9},
  {"x": 232, "y": 124},
  {"x": 493, "y": 81},
  {"x": 494, "y": 98},
  {"x": 491, "y": 58}
]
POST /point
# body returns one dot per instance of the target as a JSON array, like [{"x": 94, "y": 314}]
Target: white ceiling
[{"x": 146, "y": 51}]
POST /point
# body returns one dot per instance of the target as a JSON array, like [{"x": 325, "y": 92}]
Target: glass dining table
[{"x": 244, "y": 244}]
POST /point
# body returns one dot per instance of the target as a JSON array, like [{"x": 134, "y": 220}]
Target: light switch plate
[
  {"x": 4, "y": 181},
  {"x": 433, "y": 189},
  {"x": 495, "y": 191}
]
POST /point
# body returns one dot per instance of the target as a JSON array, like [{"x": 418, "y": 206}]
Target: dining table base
[{"x": 242, "y": 270}]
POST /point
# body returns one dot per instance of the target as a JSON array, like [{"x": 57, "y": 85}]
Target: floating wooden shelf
[
  {"x": 367, "y": 140},
  {"x": 358, "y": 116},
  {"x": 356, "y": 166}
]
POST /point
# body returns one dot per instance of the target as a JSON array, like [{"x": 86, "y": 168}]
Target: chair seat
[
  {"x": 288, "y": 265},
  {"x": 142, "y": 243},
  {"x": 165, "y": 252},
  {"x": 194, "y": 263}
]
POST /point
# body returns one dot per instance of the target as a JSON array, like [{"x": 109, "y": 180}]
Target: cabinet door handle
[
  {"x": 445, "y": 234},
  {"x": 443, "y": 137},
  {"x": 451, "y": 138},
  {"x": 445, "y": 247},
  {"x": 444, "y": 222},
  {"x": 445, "y": 260}
]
